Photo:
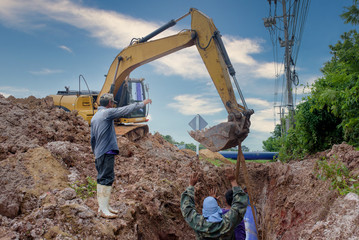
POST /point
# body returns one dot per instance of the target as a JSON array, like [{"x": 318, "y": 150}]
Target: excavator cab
[{"x": 131, "y": 91}]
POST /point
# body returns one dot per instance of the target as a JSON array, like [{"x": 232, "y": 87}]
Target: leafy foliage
[
  {"x": 85, "y": 190},
  {"x": 352, "y": 13},
  {"x": 338, "y": 91},
  {"x": 315, "y": 130},
  {"x": 193, "y": 146},
  {"x": 273, "y": 143},
  {"x": 330, "y": 114},
  {"x": 339, "y": 175},
  {"x": 169, "y": 139}
]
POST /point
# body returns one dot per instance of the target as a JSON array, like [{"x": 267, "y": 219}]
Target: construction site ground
[{"x": 46, "y": 164}]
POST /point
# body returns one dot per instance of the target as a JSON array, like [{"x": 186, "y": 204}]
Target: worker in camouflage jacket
[{"x": 212, "y": 224}]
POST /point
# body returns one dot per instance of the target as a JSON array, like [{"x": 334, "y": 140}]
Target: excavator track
[{"x": 132, "y": 132}]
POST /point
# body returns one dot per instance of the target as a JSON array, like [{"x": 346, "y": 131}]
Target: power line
[{"x": 286, "y": 32}]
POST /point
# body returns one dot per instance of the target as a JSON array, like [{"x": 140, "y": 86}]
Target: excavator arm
[{"x": 206, "y": 37}]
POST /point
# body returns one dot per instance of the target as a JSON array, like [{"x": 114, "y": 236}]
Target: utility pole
[
  {"x": 291, "y": 25},
  {"x": 288, "y": 52}
]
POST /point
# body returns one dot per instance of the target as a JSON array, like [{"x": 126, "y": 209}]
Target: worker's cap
[{"x": 108, "y": 96}]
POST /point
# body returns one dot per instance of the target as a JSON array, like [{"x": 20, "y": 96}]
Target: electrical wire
[{"x": 296, "y": 12}]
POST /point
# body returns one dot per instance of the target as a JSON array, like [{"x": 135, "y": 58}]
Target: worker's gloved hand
[
  {"x": 193, "y": 179},
  {"x": 213, "y": 193},
  {"x": 231, "y": 177}
]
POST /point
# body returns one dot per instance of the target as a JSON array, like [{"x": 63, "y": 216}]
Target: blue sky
[{"x": 46, "y": 44}]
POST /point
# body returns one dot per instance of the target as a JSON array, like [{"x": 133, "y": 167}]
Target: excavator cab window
[{"x": 132, "y": 91}]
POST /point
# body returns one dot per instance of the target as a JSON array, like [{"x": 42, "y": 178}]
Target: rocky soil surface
[{"x": 46, "y": 159}]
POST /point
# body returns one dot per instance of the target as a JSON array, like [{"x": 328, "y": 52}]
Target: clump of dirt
[{"x": 45, "y": 157}]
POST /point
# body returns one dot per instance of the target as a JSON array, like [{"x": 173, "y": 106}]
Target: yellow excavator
[
  {"x": 205, "y": 36},
  {"x": 84, "y": 101}
]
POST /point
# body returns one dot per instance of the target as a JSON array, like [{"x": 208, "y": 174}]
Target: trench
[{"x": 288, "y": 197}]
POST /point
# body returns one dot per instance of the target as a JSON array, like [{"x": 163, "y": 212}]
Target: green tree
[
  {"x": 273, "y": 143},
  {"x": 315, "y": 130},
  {"x": 338, "y": 90},
  {"x": 169, "y": 139},
  {"x": 330, "y": 114},
  {"x": 352, "y": 13},
  {"x": 190, "y": 146},
  {"x": 245, "y": 148}
]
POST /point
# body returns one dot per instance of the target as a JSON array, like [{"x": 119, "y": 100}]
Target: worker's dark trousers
[{"x": 105, "y": 169}]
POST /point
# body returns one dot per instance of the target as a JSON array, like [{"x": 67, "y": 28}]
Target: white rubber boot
[
  {"x": 103, "y": 198},
  {"x": 109, "y": 207}
]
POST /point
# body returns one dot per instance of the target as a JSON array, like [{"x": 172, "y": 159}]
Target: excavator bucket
[{"x": 224, "y": 135}]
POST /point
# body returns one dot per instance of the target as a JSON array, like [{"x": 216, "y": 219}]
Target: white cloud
[
  {"x": 5, "y": 94},
  {"x": 264, "y": 70},
  {"x": 13, "y": 89},
  {"x": 256, "y": 102},
  {"x": 218, "y": 121},
  {"x": 262, "y": 120},
  {"x": 239, "y": 50},
  {"x": 6, "y": 91},
  {"x": 186, "y": 63},
  {"x": 304, "y": 88},
  {"x": 100, "y": 24},
  {"x": 255, "y": 140},
  {"x": 46, "y": 71},
  {"x": 66, "y": 48},
  {"x": 195, "y": 104}
]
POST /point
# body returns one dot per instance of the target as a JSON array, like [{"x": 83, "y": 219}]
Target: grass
[
  {"x": 219, "y": 163},
  {"x": 338, "y": 174},
  {"x": 215, "y": 162}
]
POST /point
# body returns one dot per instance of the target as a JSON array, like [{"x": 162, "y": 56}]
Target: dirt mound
[
  {"x": 44, "y": 151},
  {"x": 30, "y": 123},
  {"x": 346, "y": 154},
  {"x": 26, "y": 177}
]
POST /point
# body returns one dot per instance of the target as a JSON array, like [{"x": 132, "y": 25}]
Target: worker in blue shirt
[{"x": 104, "y": 145}]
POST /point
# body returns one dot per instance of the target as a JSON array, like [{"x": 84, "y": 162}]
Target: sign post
[{"x": 197, "y": 123}]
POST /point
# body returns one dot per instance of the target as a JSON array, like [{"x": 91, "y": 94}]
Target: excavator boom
[{"x": 205, "y": 36}]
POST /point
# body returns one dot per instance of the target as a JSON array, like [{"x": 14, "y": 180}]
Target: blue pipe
[{"x": 249, "y": 155}]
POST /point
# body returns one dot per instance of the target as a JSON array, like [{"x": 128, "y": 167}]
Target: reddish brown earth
[{"x": 44, "y": 151}]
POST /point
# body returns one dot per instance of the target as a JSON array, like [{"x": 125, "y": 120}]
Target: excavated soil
[{"x": 45, "y": 156}]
